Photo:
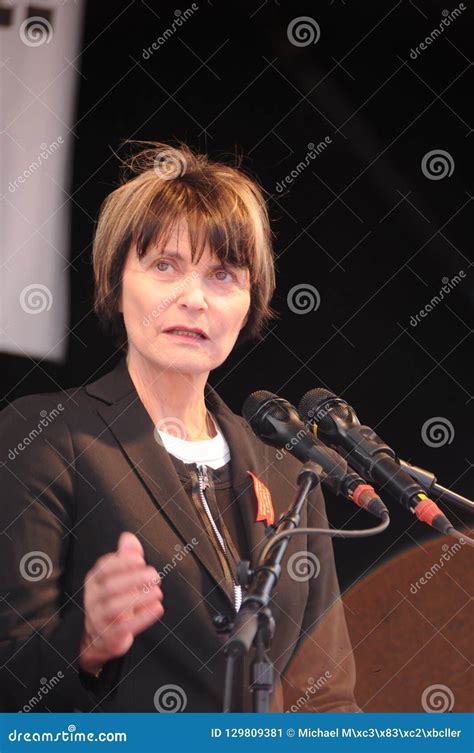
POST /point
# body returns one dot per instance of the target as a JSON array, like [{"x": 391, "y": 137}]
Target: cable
[{"x": 334, "y": 532}]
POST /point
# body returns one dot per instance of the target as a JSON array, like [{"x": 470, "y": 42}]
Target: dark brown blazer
[{"x": 80, "y": 466}]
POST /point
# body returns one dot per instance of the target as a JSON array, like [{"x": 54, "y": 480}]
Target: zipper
[{"x": 203, "y": 480}]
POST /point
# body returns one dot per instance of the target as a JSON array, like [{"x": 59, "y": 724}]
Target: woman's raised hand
[{"x": 122, "y": 598}]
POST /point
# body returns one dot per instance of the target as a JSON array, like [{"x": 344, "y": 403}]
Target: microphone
[
  {"x": 277, "y": 423},
  {"x": 337, "y": 425}
]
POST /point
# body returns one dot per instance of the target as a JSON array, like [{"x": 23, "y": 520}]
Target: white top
[{"x": 213, "y": 452}]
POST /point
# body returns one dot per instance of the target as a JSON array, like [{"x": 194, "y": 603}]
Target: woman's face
[{"x": 164, "y": 290}]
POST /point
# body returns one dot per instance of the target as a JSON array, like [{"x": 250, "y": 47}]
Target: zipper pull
[{"x": 203, "y": 477}]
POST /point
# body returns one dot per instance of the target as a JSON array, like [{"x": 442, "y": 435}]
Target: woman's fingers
[
  {"x": 117, "y": 584},
  {"x": 118, "y": 606},
  {"x": 114, "y": 563},
  {"x": 141, "y": 581},
  {"x": 143, "y": 618},
  {"x": 121, "y": 631}
]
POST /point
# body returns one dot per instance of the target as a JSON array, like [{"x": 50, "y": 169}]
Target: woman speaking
[{"x": 127, "y": 503}]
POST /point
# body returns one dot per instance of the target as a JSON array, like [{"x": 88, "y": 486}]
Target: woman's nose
[{"x": 192, "y": 293}]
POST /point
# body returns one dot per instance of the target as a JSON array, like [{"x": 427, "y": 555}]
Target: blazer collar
[{"x": 129, "y": 421}]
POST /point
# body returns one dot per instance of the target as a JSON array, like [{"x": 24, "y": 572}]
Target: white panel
[{"x": 38, "y": 88}]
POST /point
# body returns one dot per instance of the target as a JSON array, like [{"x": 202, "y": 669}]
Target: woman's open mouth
[{"x": 186, "y": 335}]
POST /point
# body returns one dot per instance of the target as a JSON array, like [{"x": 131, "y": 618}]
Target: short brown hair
[{"x": 223, "y": 207}]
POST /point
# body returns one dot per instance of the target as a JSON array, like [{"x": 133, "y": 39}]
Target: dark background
[{"x": 361, "y": 223}]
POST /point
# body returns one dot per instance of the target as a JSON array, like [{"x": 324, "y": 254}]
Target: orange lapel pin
[{"x": 265, "y": 509}]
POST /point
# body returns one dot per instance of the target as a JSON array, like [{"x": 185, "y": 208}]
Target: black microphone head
[
  {"x": 317, "y": 404},
  {"x": 273, "y": 419},
  {"x": 255, "y": 402},
  {"x": 276, "y": 422}
]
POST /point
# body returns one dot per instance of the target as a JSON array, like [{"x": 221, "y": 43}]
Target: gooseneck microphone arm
[{"x": 430, "y": 483}]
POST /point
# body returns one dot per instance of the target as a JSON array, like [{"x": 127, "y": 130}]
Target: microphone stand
[
  {"x": 254, "y": 623},
  {"x": 429, "y": 481}
]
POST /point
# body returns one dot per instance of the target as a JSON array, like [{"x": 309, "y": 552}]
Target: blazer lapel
[
  {"x": 247, "y": 453},
  {"x": 126, "y": 417}
]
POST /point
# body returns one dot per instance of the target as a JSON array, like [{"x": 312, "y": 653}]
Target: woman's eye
[
  {"x": 157, "y": 265},
  {"x": 223, "y": 272}
]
